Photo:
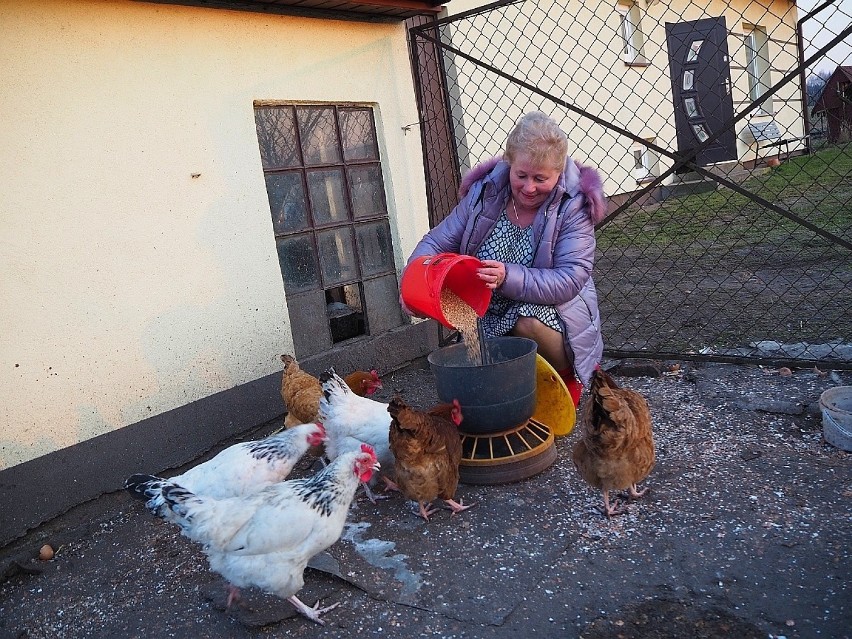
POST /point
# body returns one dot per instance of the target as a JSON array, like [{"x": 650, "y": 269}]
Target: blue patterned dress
[{"x": 511, "y": 244}]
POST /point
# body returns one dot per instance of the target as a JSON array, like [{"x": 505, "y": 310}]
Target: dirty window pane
[
  {"x": 368, "y": 192},
  {"x": 319, "y": 135},
  {"x": 691, "y": 108},
  {"x": 359, "y": 138},
  {"x": 328, "y": 198},
  {"x": 374, "y": 248},
  {"x": 287, "y": 202},
  {"x": 276, "y": 136},
  {"x": 326, "y": 195},
  {"x": 337, "y": 256},
  {"x": 298, "y": 263}
]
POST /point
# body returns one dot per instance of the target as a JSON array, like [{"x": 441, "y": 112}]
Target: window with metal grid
[{"x": 327, "y": 199}]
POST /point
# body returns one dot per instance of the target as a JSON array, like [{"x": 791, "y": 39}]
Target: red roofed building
[{"x": 836, "y": 104}]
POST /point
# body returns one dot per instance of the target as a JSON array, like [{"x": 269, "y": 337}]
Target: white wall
[{"x": 130, "y": 287}]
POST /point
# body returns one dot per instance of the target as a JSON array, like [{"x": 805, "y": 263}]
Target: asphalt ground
[{"x": 745, "y": 532}]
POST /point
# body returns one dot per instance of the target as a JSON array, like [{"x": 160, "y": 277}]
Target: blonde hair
[{"x": 539, "y": 137}]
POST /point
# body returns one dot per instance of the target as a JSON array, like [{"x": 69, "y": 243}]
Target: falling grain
[{"x": 462, "y": 316}]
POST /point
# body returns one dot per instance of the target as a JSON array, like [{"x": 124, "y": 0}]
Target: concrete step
[{"x": 683, "y": 185}]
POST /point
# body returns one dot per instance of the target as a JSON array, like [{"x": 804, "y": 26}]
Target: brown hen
[
  {"x": 363, "y": 383},
  {"x": 428, "y": 449},
  {"x": 616, "y": 449},
  {"x": 301, "y": 391}
]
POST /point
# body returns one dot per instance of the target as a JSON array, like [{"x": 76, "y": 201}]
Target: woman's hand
[
  {"x": 407, "y": 310},
  {"x": 492, "y": 272}
]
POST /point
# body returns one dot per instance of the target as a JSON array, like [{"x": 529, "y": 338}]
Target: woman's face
[{"x": 531, "y": 183}]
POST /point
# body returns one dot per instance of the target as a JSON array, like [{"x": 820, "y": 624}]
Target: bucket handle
[{"x": 435, "y": 259}]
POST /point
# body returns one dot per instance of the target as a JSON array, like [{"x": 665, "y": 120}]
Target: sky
[{"x": 826, "y": 25}]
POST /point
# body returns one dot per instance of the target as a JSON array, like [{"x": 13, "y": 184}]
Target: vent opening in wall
[{"x": 345, "y": 312}]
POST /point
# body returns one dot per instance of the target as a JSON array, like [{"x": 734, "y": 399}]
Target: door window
[
  {"x": 691, "y": 108},
  {"x": 700, "y": 132},
  {"x": 693, "y": 50}
]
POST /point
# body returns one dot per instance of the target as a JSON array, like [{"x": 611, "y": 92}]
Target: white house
[{"x": 672, "y": 74}]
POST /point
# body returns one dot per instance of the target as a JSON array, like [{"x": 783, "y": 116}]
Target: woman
[{"x": 530, "y": 219}]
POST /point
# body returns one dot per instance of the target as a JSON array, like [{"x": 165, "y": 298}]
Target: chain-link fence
[{"x": 722, "y": 129}]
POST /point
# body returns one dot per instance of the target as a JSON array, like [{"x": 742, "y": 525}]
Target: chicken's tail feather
[
  {"x": 395, "y": 406},
  {"x": 178, "y": 499},
  {"x": 327, "y": 375},
  {"x": 601, "y": 379},
  {"x": 290, "y": 363},
  {"x": 143, "y": 487},
  {"x": 332, "y": 384},
  {"x": 162, "y": 497}
]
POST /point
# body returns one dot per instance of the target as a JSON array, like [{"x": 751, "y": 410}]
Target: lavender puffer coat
[{"x": 564, "y": 241}]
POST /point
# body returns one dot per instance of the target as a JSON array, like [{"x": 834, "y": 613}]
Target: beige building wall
[
  {"x": 778, "y": 18},
  {"x": 139, "y": 269},
  {"x": 581, "y": 60}
]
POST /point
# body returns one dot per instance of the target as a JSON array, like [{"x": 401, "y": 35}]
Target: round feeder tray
[{"x": 507, "y": 456}]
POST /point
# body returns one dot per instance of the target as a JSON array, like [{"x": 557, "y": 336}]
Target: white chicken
[
  {"x": 266, "y": 539},
  {"x": 242, "y": 468},
  {"x": 351, "y": 420}
]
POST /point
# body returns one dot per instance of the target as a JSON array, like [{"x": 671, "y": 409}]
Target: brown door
[{"x": 701, "y": 88}]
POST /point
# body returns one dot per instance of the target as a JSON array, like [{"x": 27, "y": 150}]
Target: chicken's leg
[
  {"x": 457, "y": 506},
  {"x": 609, "y": 510},
  {"x": 390, "y": 484},
  {"x": 233, "y": 595},
  {"x": 426, "y": 510},
  {"x": 370, "y": 495},
  {"x": 312, "y": 613},
  {"x": 635, "y": 493}
]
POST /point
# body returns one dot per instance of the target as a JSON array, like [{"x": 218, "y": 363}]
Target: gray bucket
[
  {"x": 836, "y": 406},
  {"x": 493, "y": 397}
]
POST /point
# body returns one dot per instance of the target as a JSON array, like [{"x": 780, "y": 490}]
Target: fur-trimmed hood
[{"x": 575, "y": 177}]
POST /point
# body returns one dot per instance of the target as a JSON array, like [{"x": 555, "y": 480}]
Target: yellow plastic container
[{"x": 553, "y": 404}]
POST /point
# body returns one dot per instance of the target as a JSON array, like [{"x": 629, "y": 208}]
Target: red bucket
[{"x": 428, "y": 275}]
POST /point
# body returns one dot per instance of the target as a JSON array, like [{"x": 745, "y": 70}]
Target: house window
[
  {"x": 326, "y": 193},
  {"x": 757, "y": 66},
  {"x": 631, "y": 33},
  {"x": 645, "y": 163}
]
